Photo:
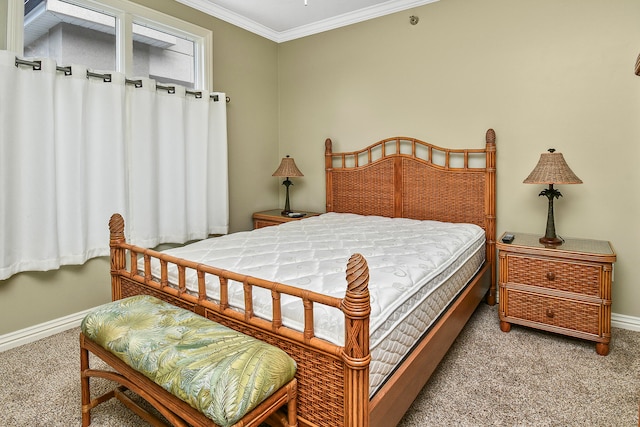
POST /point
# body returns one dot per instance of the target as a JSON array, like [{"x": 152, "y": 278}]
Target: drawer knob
[
  {"x": 551, "y": 275},
  {"x": 550, "y": 313}
]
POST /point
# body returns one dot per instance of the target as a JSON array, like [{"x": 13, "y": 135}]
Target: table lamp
[
  {"x": 287, "y": 169},
  {"x": 551, "y": 169}
]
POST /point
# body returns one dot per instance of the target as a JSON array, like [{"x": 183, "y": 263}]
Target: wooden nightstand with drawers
[
  {"x": 275, "y": 217},
  {"x": 564, "y": 289}
]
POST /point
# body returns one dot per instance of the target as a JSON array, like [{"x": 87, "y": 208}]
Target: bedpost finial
[
  {"x": 491, "y": 136},
  {"x": 356, "y": 306},
  {"x": 356, "y": 303},
  {"x": 327, "y": 146},
  {"x": 116, "y": 227},
  {"x": 357, "y": 274}
]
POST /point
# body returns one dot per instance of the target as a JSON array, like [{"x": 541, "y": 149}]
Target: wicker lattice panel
[
  {"x": 563, "y": 313},
  {"x": 579, "y": 278},
  {"x": 131, "y": 288},
  {"x": 367, "y": 192},
  {"x": 428, "y": 193}
]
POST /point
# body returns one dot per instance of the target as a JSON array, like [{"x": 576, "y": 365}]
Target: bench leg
[
  {"x": 292, "y": 404},
  {"x": 84, "y": 383}
]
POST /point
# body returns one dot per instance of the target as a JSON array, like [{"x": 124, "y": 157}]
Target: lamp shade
[
  {"x": 287, "y": 168},
  {"x": 552, "y": 169}
]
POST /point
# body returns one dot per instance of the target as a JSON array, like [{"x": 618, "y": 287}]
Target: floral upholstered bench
[{"x": 192, "y": 370}]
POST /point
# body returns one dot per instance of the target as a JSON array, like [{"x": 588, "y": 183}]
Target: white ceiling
[{"x": 284, "y": 20}]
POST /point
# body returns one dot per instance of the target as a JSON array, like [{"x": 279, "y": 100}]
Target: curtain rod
[{"x": 37, "y": 65}]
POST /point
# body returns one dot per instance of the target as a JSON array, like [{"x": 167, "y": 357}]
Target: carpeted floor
[{"x": 488, "y": 378}]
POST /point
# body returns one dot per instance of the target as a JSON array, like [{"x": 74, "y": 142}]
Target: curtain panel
[{"x": 74, "y": 150}]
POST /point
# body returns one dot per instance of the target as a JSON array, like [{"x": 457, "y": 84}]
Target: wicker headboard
[{"x": 409, "y": 178}]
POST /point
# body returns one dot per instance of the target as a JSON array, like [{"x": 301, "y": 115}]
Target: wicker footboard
[
  {"x": 320, "y": 375},
  {"x": 333, "y": 381}
]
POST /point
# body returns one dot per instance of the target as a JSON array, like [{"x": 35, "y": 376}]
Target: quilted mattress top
[{"x": 403, "y": 256}]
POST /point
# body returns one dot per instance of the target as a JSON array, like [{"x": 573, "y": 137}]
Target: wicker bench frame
[{"x": 175, "y": 410}]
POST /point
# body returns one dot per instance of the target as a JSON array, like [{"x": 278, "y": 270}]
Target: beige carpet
[{"x": 488, "y": 378}]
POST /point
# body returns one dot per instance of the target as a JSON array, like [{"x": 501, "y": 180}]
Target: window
[
  {"x": 69, "y": 34},
  {"x": 163, "y": 56},
  {"x": 113, "y": 35}
]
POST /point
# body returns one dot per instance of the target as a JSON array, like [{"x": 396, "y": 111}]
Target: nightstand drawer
[
  {"x": 559, "y": 312},
  {"x": 258, "y": 223},
  {"x": 573, "y": 277},
  {"x": 275, "y": 217}
]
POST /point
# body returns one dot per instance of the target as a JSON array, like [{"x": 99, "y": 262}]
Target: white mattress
[{"x": 416, "y": 268}]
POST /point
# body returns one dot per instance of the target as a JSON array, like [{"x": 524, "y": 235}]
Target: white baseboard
[
  {"x": 43, "y": 330},
  {"x": 625, "y": 322}
]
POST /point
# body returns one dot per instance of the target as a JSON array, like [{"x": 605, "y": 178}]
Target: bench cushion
[{"x": 218, "y": 371}]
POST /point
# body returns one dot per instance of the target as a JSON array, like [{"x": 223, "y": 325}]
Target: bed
[{"x": 338, "y": 382}]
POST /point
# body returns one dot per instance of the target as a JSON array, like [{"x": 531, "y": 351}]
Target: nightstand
[
  {"x": 564, "y": 289},
  {"x": 275, "y": 217}
]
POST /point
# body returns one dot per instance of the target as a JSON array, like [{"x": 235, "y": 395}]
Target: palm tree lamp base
[{"x": 550, "y": 238}]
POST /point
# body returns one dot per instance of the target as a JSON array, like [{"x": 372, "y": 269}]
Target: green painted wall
[{"x": 542, "y": 74}]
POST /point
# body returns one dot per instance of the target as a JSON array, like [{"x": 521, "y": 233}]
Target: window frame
[{"x": 125, "y": 13}]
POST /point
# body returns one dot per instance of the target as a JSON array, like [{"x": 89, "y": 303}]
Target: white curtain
[
  {"x": 179, "y": 147},
  {"x": 74, "y": 150}
]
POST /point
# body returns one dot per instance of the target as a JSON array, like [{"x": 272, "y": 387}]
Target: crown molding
[
  {"x": 231, "y": 17},
  {"x": 343, "y": 20}
]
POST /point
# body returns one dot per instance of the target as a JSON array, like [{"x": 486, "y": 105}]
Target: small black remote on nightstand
[{"x": 508, "y": 238}]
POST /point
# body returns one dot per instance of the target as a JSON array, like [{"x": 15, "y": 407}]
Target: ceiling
[{"x": 284, "y": 20}]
